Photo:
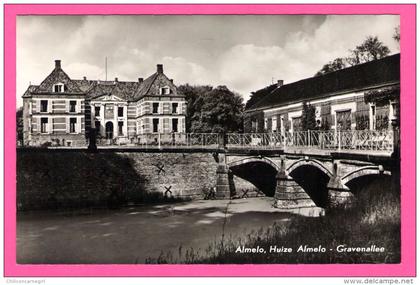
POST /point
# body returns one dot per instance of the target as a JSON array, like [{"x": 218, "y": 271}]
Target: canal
[{"x": 133, "y": 234}]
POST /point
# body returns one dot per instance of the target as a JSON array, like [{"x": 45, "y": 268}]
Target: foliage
[
  {"x": 308, "y": 117},
  {"x": 192, "y": 93},
  {"x": 370, "y": 49},
  {"x": 382, "y": 96},
  {"x": 362, "y": 122},
  {"x": 213, "y": 109},
  {"x": 336, "y": 64},
  {"x": 382, "y": 122},
  {"x": 19, "y": 125},
  {"x": 396, "y": 35}
]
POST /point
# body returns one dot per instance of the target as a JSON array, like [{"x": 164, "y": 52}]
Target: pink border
[{"x": 408, "y": 211}]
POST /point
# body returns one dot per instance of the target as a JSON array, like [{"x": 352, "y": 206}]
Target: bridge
[{"x": 300, "y": 169}]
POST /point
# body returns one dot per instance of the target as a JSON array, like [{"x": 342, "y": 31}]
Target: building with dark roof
[
  {"x": 348, "y": 99},
  {"x": 61, "y": 110}
]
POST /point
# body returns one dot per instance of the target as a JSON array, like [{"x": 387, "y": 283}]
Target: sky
[{"x": 245, "y": 53}]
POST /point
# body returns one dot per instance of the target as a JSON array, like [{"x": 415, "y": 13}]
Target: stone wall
[
  {"x": 61, "y": 179},
  {"x": 76, "y": 178}
]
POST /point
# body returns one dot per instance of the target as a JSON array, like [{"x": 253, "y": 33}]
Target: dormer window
[
  {"x": 165, "y": 91},
  {"x": 58, "y": 88}
]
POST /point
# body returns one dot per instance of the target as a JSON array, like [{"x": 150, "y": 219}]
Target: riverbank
[{"x": 367, "y": 232}]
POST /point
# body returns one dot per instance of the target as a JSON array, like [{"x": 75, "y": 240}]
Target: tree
[
  {"x": 19, "y": 125},
  {"x": 336, "y": 64},
  {"x": 370, "y": 49},
  {"x": 192, "y": 93},
  {"x": 396, "y": 35},
  {"x": 218, "y": 110},
  {"x": 308, "y": 117}
]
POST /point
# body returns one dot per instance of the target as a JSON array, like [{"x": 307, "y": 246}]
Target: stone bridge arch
[
  {"x": 296, "y": 180},
  {"x": 309, "y": 162},
  {"x": 304, "y": 183},
  {"x": 262, "y": 159},
  {"x": 260, "y": 171},
  {"x": 364, "y": 171}
]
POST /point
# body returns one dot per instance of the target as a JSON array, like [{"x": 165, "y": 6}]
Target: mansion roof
[
  {"x": 359, "y": 77},
  {"x": 127, "y": 90}
]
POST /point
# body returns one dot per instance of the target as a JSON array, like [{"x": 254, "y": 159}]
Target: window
[
  {"x": 297, "y": 124},
  {"x": 282, "y": 125},
  {"x": 372, "y": 119},
  {"x": 343, "y": 120},
  {"x": 44, "y": 106},
  {"x": 44, "y": 124},
  {"x": 73, "y": 106},
  {"x": 58, "y": 88},
  {"x": 120, "y": 111},
  {"x": 165, "y": 91},
  {"x": 155, "y": 125},
  {"x": 109, "y": 111},
  {"x": 97, "y": 111},
  {"x": 174, "y": 108},
  {"x": 120, "y": 128},
  {"x": 254, "y": 126},
  {"x": 274, "y": 124},
  {"x": 175, "y": 125},
  {"x": 155, "y": 108},
  {"x": 73, "y": 122}
]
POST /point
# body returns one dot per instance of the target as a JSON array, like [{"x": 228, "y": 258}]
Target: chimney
[
  {"x": 160, "y": 68},
  {"x": 116, "y": 79},
  {"x": 84, "y": 77},
  {"x": 57, "y": 63},
  {"x": 280, "y": 83},
  {"x": 140, "y": 79},
  {"x": 172, "y": 81}
]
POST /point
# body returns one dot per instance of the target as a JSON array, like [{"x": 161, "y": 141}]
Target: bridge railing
[
  {"x": 179, "y": 140},
  {"x": 329, "y": 140},
  {"x": 254, "y": 140},
  {"x": 326, "y": 140}
]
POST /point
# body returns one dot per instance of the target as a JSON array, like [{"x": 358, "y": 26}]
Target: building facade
[
  {"x": 61, "y": 111},
  {"x": 361, "y": 97}
]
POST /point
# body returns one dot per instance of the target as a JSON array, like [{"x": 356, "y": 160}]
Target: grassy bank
[{"x": 374, "y": 219}]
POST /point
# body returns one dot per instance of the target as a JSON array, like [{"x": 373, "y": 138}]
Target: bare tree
[{"x": 396, "y": 35}]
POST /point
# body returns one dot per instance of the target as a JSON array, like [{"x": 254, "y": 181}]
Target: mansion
[
  {"x": 61, "y": 111},
  {"x": 361, "y": 97}
]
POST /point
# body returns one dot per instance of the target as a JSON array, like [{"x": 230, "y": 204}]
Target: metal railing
[
  {"x": 325, "y": 140},
  {"x": 255, "y": 140},
  {"x": 157, "y": 140},
  {"x": 338, "y": 140}
]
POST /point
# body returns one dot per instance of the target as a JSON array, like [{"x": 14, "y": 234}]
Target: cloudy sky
[{"x": 245, "y": 53}]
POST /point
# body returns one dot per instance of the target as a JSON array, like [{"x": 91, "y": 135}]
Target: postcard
[{"x": 209, "y": 140}]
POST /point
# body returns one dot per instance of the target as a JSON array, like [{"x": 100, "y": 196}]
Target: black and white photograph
[{"x": 208, "y": 139}]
